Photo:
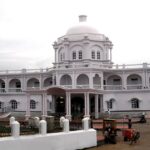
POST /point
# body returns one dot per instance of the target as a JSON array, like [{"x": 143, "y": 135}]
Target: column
[
  {"x": 73, "y": 80},
  {"x": 91, "y": 81},
  {"x": 111, "y": 55},
  {"x": 27, "y": 107},
  {"x": 86, "y": 105},
  {"x": 96, "y": 106},
  {"x": 102, "y": 82},
  {"x": 44, "y": 105},
  {"x": 101, "y": 103},
  {"x": 41, "y": 82},
  {"x": 124, "y": 81},
  {"x": 6, "y": 84},
  {"x": 68, "y": 105},
  {"x": 53, "y": 103}
]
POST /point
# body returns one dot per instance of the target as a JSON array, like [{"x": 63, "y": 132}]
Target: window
[
  {"x": 32, "y": 104},
  {"x": 80, "y": 54},
  {"x": 116, "y": 80},
  {"x": 74, "y": 55},
  {"x": 14, "y": 104},
  {"x": 93, "y": 55},
  {"x": 110, "y": 104},
  {"x": 134, "y": 79},
  {"x": 61, "y": 57},
  {"x": 135, "y": 103},
  {"x": 18, "y": 85},
  {"x": 98, "y": 55},
  {"x": 3, "y": 85}
]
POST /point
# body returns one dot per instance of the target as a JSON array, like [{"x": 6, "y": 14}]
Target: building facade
[{"x": 82, "y": 82}]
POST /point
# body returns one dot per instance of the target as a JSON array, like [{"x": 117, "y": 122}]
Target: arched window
[
  {"x": 32, "y": 104},
  {"x": 74, "y": 55},
  {"x": 110, "y": 104},
  {"x": 93, "y": 55},
  {"x": 14, "y": 104},
  {"x": 135, "y": 103},
  {"x": 61, "y": 57},
  {"x": 98, "y": 55},
  {"x": 80, "y": 54}
]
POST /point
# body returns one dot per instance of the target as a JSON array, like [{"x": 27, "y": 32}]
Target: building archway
[
  {"x": 60, "y": 105},
  {"x": 77, "y": 107}
]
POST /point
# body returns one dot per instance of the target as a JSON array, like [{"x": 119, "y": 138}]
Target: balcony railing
[
  {"x": 112, "y": 87},
  {"x": 14, "y": 90},
  {"x": 97, "y": 86},
  {"x": 134, "y": 86},
  {"x": 33, "y": 88},
  {"x": 67, "y": 86},
  {"x": 85, "y": 86},
  {"x": 2, "y": 90}
]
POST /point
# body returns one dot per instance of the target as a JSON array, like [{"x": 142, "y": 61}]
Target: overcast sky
[{"x": 28, "y": 29}]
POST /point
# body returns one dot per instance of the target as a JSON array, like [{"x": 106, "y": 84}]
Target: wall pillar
[
  {"x": 68, "y": 105},
  {"x": 124, "y": 81},
  {"x": 44, "y": 105},
  {"x": 28, "y": 107},
  {"x": 53, "y": 103},
  {"x": 41, "y": 82},
  {"x": 102, "y": 84},
  {"x": 111, "y": 55},
  {"x": 6, "y": 84},
  {"x": 86, "y": 105},
  {"x": 91, "y": 81},
  {"x": 101, "y": 103},
  {"x": 96, "y": 106}
]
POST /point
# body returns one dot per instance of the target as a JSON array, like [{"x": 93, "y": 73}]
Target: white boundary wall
[{"x": 55, "y": 141}]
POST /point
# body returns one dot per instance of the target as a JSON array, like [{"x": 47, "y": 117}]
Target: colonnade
[{"x": 98, "y": 101}]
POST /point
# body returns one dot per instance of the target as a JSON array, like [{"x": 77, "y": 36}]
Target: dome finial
[{"x": 82, "y": 18}]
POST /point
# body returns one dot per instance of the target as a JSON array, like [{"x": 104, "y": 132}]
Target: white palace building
[{"x": 82, "y": 82}]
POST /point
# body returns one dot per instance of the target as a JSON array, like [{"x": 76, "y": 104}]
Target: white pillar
[
  {"x": 6, "y": 84},
  {"x": 53, "y": 103},
  {"x": 86, "y": 104},
  {"x": 96, "y": 106},
  {"x": 37, "y": 121},
  {"x": 66, "y": 125},
  {"x": 41, "y": 81},
  {"x": 91, "y": 81},
  {"x": 61, "y": 121},
  {"x": 44, "y": 105},
  {"x": 85, "y": 122},
  {"x": 102, "y": 82},
  {"x": 28, "y": 107},
  {"x": 101, "y": 103},
  {"x": 68, "y": 105},
  {"x": 11, "y": 120},
  {"x": 43, "y": 127},
  {"x": 15, "y": 129},
  {"x": 73, "y": 80},
  {"x": 111, "y": 55}
]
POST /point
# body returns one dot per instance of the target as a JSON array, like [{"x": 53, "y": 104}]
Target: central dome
[{"x": 82, "y": 27}]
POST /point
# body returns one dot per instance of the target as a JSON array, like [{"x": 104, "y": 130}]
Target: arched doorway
[
  {"x": 77, "y": 107},
  {"x": 60, "y": 105}
]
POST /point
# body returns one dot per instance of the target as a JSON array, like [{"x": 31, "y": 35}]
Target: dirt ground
[{"x": 142, "y": 144}]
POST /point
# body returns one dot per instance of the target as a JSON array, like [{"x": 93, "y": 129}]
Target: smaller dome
[{"x": 82, "y": 27}]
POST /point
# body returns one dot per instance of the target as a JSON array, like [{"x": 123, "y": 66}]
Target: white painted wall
[
  {"x": 55, "y": 141},
  {"x": 122, "y": 100}
]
